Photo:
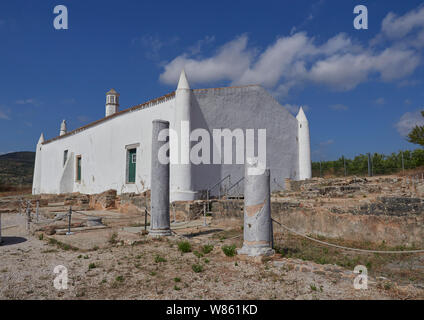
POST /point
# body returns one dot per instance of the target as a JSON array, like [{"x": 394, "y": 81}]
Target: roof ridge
[
  {"x": 144, "y": 105},
  {"x": 232, "y": 87}
]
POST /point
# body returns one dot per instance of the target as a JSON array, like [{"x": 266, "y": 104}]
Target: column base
[
  {"x": 256, "y": 251},
  {"x": 184, "y": 195},
  {"x": 159, "y": 232}
]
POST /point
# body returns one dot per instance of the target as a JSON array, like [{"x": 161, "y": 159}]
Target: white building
[{"x": 114, "y": 152}]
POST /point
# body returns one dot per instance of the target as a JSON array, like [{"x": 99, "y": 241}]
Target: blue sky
[{"x": 362, "y": 88}]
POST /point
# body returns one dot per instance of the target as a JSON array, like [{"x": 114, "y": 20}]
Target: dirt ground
[{"x": 120, "y": 262}]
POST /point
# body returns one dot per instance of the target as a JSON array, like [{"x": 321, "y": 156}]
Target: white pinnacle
[
  {"x": 41, "y": 140},
  {"x": 63, "y": 128},
  {"x": 301, "y": 117},
  {"x": 183, "y": 82}
]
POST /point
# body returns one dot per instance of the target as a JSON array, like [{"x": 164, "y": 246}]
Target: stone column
[
  {"x": 159, "y": 202},
  {"x": 257, "y": 212}
]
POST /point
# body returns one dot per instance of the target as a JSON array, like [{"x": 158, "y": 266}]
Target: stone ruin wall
[{"x": 396, "y": 219}]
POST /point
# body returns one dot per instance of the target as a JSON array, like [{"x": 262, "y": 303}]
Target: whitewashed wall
[{"x": 103, "y": 146}]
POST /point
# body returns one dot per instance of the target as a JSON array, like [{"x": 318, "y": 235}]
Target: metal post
[
  {"x": 344, "y": 165},
  {"x": 320, "y": 169},
  {"x": 403, "y": 163},
  {"x": 28, "y": 216},
  {"x": 69, "y": 221},
  {"x": 0, "y": 229},
  {"x": 369, "y": 165},
  {"x": 204, "y": 215},
  {"x": 257, "y": 211},
  {"x": 174, "y": 213},
  {"x": 145, "y": 219},
  {"x": 159, "y": 213},
  {"x": 37, "y": 209},
  {"x": 272, "y": 234}
]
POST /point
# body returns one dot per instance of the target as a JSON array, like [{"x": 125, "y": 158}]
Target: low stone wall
[
  {"x": 132, "y": 202},
  {"x": 103, "y": 201},
  {"x": 393, "y": 230},
  {"x": 402, "y": 226}
]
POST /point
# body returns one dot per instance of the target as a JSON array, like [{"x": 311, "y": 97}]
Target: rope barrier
[{"x": 345, "y": 248}]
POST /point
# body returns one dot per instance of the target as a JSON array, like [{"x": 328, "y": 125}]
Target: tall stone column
[
  {"x": 257, "y": 212},
  {"x": 159, "y": 201}
]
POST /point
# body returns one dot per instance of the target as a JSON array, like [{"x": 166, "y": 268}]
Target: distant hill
[{"x": 17, "y": 168}]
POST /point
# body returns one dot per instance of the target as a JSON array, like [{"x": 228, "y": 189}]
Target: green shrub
[
  {"x": 184, "y": 246},
  {"x": 119, "y": 278},
  {"x": 158, "y": 259},
  {"x": 229, "y": 251},
  {"x": 198, "y": 254},
  {"x": 113, "y": 238},
  {"x": 207, "y": 248},
  {"x": 92, "y": 266},
  {"x": 197, "y": 268}
]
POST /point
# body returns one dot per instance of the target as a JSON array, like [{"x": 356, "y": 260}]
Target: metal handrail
[
  {"x": 235, "y": 184},
  {"x": 228, "y": 176}
]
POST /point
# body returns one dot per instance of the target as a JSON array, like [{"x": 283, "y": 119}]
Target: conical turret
[
  {"x": 181, "y": 177},
  {"x": 301, "y": 117},
  {"x": 36, "y": 180},
  {"x": 305, "y": 167},
  {"x": 183, "y": 82},
  {"x": 41, "y": 139},
  {"x": 63, "y": 128}
]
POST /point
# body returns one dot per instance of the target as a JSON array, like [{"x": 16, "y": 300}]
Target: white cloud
[
  {"x": 339, "y": 107},
  {"x": 68, "y": 101},
  {"x": 294, "y": 109},
  {"x": 228, "y": 63},
  {"x": 83, "y": 118},
  {"x": 408, "y": 121},
  {"x": 326, "y": 143},
  {"x": 152, "y": 45},
  {"x": 31, "y": 101},
  {"x": 380, "y": 101},
  {"x": 4, "y": 115},
  {"x": 297, "y": 60},
  {"x": 197, "y": 48},
  {"x": 394, "y": 26}
]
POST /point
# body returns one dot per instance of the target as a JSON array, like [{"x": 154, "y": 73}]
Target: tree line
[{"x": 380, "y": 164}]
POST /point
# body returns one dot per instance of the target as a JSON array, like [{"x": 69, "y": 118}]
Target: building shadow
[
  {"x": 201, "y": 233},
  {"x": 8, "y": 241}
]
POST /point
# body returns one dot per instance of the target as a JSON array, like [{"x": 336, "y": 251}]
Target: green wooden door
[
  {"x": 79, "y": 168},
  {"x": 132, "y": 160}
]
